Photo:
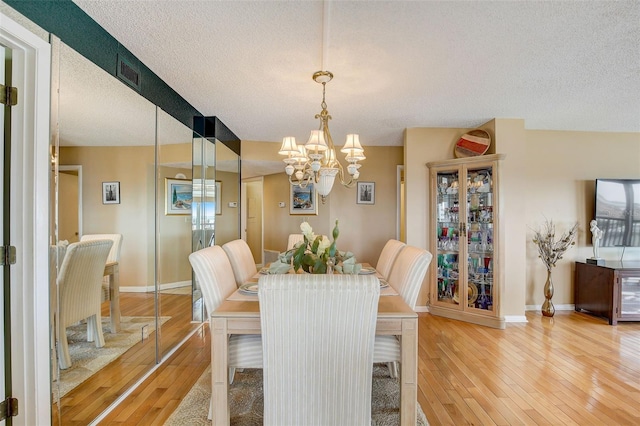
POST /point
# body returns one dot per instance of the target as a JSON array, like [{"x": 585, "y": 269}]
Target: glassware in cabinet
[
  {"x": 464, "y": 230},
  {"x": 448, "y": 237},
  {"x": 480, "y": 238}
]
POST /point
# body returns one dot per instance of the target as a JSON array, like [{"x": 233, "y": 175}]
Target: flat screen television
[{"x": 617, "y": 210}]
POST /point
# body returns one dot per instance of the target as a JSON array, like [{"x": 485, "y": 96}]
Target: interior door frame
[
  {"x": 78, "y": 169},
  {"x": 30, "y": 218}
]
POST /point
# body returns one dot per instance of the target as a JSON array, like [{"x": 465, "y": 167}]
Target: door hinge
[
  {"x": 8, "y": 408},
  {"x": 8, "y": 95},
  {"x": 7, "y": 255}
]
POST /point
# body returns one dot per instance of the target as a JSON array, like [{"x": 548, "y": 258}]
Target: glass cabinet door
[
  {"x": 630, "y": 295},
  {"x": 479, "y": 225},
  {"x": 448, "y": 231},
  {"x": 464, "y": 236}
]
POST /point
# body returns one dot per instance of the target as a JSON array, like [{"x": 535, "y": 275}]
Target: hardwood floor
[
  {"x": 84, "y": 403},
  {"x": 570, "y": 369}
]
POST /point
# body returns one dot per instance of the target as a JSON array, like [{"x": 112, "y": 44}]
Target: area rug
[
  {"x": 86, "y": 359},
  {"x": 246, "y": 401}
]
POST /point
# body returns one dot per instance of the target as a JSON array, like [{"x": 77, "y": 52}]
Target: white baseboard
[
  {"x": 515, "y": 318},
  {"x": 150, "y": 288},
  {"x": 421, "y": 309},
  {"x": 568, "y": 307}
]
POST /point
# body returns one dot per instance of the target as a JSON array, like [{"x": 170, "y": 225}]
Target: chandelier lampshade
[{"x": 316, "y": 161}]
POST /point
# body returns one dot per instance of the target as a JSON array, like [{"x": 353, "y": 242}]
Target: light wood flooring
[
  {"x": 573, "y": 369},
  {"x": 84, "y": 403}
]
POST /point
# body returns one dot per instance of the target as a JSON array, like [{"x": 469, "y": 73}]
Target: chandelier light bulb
[{"x": 289, "y": 169}]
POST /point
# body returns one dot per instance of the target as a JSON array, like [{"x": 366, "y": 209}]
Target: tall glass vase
[{"x": 547, "y": 307}]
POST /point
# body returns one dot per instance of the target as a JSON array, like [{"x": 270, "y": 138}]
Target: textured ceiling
[{"x": 562, "y": 65}]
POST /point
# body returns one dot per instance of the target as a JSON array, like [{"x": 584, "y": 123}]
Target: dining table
[{"x": 240, "y": 314}]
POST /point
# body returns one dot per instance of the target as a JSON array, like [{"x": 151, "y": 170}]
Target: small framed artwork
[
  {"x": 178, "y": 196},
  {"x": 366, "y": 193},
  {"x": 303, "y": 200},
  {"x": 110, "y": 192},
  {"x": 218, "y": 197}
]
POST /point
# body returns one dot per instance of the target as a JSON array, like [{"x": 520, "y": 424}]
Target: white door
[
  {"x": 3, "y": 52},
  {"x": 28, "y": 230}
]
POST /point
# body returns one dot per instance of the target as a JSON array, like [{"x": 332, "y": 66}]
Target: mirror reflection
[
  {"x": 110, "y": 188},
  {"x": 174, "y": 204}
]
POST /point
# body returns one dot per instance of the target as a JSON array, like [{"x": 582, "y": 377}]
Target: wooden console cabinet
[{"x": 611, "y": 291}]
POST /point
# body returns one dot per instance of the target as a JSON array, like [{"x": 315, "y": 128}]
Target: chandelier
[{"x": 316, "y": 162}]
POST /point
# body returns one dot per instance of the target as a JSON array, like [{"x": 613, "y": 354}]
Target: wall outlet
[
  {"x": 233, "y": 204},
  {"x": 282, "y": 204}
]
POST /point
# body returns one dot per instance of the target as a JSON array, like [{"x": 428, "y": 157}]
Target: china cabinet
[{"x": 464, "y": 236}]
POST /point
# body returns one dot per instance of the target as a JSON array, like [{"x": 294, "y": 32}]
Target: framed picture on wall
[
  {"x": 303, "y": 200},
  {"x": 110, "y": 192},
  {"x": 366, "y": 193},
  {"x": 178, "y": 196}
]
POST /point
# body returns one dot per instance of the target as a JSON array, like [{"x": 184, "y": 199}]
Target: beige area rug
[
  {"x": 246, "y": 400},
  {"x": 86, "y": 359}
]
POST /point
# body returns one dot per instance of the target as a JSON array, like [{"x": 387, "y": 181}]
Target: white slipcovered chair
[
  {"x": 317, "y": 338},
  {"x": 79, "y": 290},
  {"x": 293, "y": 240},
  {"x": 215, "y": 277},
  {"x": 387, "y": 256},
  {"x": 242, "y": 262},
  {"x": 406, "y": 277},
  {"x": 114, "y": 255}
]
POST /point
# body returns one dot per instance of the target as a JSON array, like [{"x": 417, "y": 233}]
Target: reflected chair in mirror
[
  {"x": 215, "y": 278},
  {"x": 242, "y": 262},
  {"x": 406, "y": 277},
  {"x": 114, "y": 255},
  {"x": 293, "y": 240},
  {"x": 80, "y": 288},
  {"x": 387, "y": 256},
  {"x": 317, "y": 338}
]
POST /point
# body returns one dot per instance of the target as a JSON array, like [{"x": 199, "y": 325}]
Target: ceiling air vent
[{"x": 128, "y": 73}]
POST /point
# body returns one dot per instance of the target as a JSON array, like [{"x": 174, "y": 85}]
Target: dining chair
[
  {"x": 79, "y": 292},
  {"x": 216, "y": 280},
  {"x": 406, "y": 277},
  {"x": 317, "y": 338},
  {"x": 114, "y": 255},
  {"x": 242, "y": 262},
  {"x": 293, "y": 240},
  {"x": 388, "y": 255}
]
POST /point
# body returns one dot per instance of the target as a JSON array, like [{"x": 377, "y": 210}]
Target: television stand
[{"x": 611, "y": 290}]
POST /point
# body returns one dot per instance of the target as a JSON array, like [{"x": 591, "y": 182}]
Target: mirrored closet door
[{"x": 113, "y": 154}]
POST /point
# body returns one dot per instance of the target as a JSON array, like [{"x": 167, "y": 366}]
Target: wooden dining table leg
[
  {"x": 114, "y": 297},
  {"x": 409, "y": 372},
  {"x": 219, "y": 372}
]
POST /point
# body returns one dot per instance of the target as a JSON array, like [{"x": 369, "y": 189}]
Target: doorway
[
  {"x": 252, "y": 217},
  {"x": 27, "y": 211},
  {"x": 70, "y": 203}
]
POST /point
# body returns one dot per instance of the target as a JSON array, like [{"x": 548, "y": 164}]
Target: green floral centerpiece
[{"x": 316, "y": 254}]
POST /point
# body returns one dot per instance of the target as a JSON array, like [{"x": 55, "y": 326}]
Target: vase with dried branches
[{"x": 550, "y": 251}]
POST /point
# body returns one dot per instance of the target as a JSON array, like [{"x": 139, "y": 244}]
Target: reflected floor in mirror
[
  {"x": 84, "y": 402},
  {"x": 86, "y": 359}
]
